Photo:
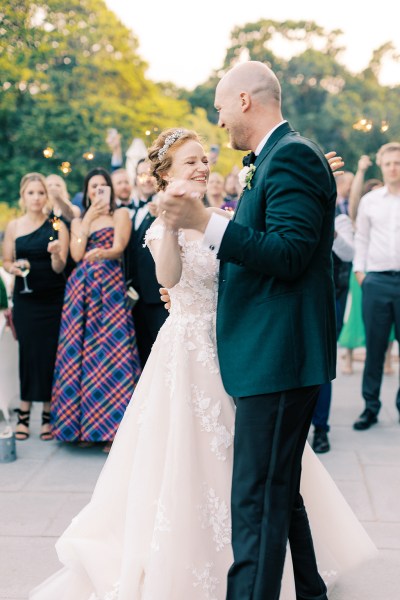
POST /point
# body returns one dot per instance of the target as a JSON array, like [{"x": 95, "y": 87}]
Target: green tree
[
  {"x": 321, "y": 98},
  {"x": 70, "y": 71}
]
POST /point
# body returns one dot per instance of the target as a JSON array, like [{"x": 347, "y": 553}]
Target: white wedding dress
[{"x": 158, "y": 524}]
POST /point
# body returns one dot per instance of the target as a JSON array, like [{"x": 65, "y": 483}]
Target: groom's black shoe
[
  {"x": 320, "y": 442},
  {"x": 365, "y": 420}
]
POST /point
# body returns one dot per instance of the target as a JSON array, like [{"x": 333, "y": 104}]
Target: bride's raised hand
[{"x": 181, "y": 206}]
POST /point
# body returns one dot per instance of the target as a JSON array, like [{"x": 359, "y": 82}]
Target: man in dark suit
[
  {"x": 148, "y": 313},
  {"x": 275, "y": 325}
]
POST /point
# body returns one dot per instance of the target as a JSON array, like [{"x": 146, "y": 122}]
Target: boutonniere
[{"x": 246, "y": 175}]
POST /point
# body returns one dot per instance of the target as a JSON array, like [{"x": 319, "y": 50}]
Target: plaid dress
[{"x": 97, "y": 365}]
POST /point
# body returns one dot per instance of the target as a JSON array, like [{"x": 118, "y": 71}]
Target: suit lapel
[
  {"x": 281, "y": 131},
  {"x": 144, "y": 225}
]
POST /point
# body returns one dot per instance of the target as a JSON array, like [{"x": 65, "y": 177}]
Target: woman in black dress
[{"x": 36, "y": 254}]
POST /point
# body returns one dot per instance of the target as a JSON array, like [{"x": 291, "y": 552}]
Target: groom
[{"x": 275, "y": 325}]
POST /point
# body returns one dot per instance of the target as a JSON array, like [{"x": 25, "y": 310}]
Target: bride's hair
[{"x": 161, "y": 152}]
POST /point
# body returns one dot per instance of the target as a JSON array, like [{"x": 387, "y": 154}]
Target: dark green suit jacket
[{"x": 276, "y": 312}]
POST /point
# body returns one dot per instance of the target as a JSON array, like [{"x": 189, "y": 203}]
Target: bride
[{"x": 158, "y": 524}]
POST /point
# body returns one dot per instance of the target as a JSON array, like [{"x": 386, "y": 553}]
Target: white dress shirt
[
  {"x": 217, "y": 224},
  {"x": 377, "y": 239},
  {"x": 343, "y": 244}
]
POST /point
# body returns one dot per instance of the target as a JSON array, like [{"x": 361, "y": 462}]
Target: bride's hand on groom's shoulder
[
  {"x": 335, "y": 162},
  {"x": 165, "y": 297}
]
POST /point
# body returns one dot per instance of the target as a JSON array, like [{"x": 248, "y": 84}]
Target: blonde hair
[
  {"x": 390, "y": 147},
  {"x": 161, "y": 165},
  {"x": 63, "y": 184},
  {"x": 25, "y": 181}
]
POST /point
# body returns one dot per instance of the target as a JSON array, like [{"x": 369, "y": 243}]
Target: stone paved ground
[{"x": 50, "y": 482}]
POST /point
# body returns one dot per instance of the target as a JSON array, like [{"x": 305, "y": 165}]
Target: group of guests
[
  {"x": 93, "y": 310},
  {"x": 81, "y": 345},
  {"x": 366, "y": 257}
]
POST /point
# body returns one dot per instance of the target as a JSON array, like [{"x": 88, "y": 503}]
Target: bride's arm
[{"x": 167, "y": 255}]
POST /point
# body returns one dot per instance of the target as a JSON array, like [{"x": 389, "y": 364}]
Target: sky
[{"x": 184, "y": 41}]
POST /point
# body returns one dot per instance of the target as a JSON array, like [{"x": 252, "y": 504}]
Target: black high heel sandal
[
  {"x": 23, "y": 419},
  {"x": 46, "y": 436}
]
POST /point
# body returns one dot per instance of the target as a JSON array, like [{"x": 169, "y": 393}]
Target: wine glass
[{"x": 24, "y": 266}]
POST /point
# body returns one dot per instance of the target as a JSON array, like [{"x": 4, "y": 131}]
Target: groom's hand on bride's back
[{"x": 164, "y": 295}]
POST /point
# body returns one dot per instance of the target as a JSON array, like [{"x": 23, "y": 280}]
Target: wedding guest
[
  {"x": 37, "y": 259},
  {"x": 148, "y": 312},
  {"x": 215, "y": 195},
  {"x": 343, "y": 253},
  {"x": 232, "y": 190},
  {"x": 62, "y": 207},
  {"x": 377, "y": 269},
  {"x": 353, "y": 332},
  {"x": 123, "y": 189},
  {"x": 97, "y": 363}
]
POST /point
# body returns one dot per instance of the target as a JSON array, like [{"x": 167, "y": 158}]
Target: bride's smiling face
[{"x": 190, "y": 162}]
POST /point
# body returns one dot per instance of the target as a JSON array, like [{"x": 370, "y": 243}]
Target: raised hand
[
  {"x": 181, "y": 207},
  {"x": 335, "y": 162}
]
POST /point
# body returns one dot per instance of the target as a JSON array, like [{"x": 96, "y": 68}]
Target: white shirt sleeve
[
  {"x": 343, "y": 244},
  {"x": 215, "y": 232},
  {"x": 361, "y": 240}
]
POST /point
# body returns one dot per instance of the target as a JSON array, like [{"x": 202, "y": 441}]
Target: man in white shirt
[{"x": 377, "y": 268}]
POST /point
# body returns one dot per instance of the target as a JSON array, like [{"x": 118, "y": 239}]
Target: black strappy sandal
[
  {"x": 46, "y": 436},
  {"x": 23, "y": 419}
]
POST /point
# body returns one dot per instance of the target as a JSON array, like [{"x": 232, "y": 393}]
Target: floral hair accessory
[
  {"x": 246, "y": 175},
  {"x": 169, "y": 140}
]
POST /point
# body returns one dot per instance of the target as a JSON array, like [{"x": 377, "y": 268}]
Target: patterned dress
[{"x": 97, "y": 364}]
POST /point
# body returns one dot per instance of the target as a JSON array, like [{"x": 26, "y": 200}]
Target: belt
[{"x": 392, "y": 273}]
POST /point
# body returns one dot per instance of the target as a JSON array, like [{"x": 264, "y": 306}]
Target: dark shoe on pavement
[
  {"x": 365, "y": 420},
  {"x": 320, "y": 442}
]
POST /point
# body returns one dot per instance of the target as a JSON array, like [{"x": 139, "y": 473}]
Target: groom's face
[{"x": 230, "y": 116}]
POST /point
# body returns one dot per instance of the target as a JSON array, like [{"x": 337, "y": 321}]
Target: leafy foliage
[
  {"x": 321, "y": 98},
  {"x": 70, "y": 71}
]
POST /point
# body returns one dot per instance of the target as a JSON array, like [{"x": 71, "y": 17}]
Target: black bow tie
[{"x": 249, "y": 159}]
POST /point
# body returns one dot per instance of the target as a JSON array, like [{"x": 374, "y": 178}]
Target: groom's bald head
[
  {"x": 248, "y": 99},
  {"x": 254, "y": 78}
]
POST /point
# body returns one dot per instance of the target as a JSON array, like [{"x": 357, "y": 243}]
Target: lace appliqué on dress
[
  {"x": 155, "y": 232},
  {"x": 208, "y": 413},
  {"x": 214, "y": 514},
  {"x": 111, "y": 595},
  {"x": 161, "y": 524},
  {"x": 206, "y": 581}
]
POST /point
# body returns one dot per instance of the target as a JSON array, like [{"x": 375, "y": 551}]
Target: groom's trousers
[{"x": 267, "y": 508}]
